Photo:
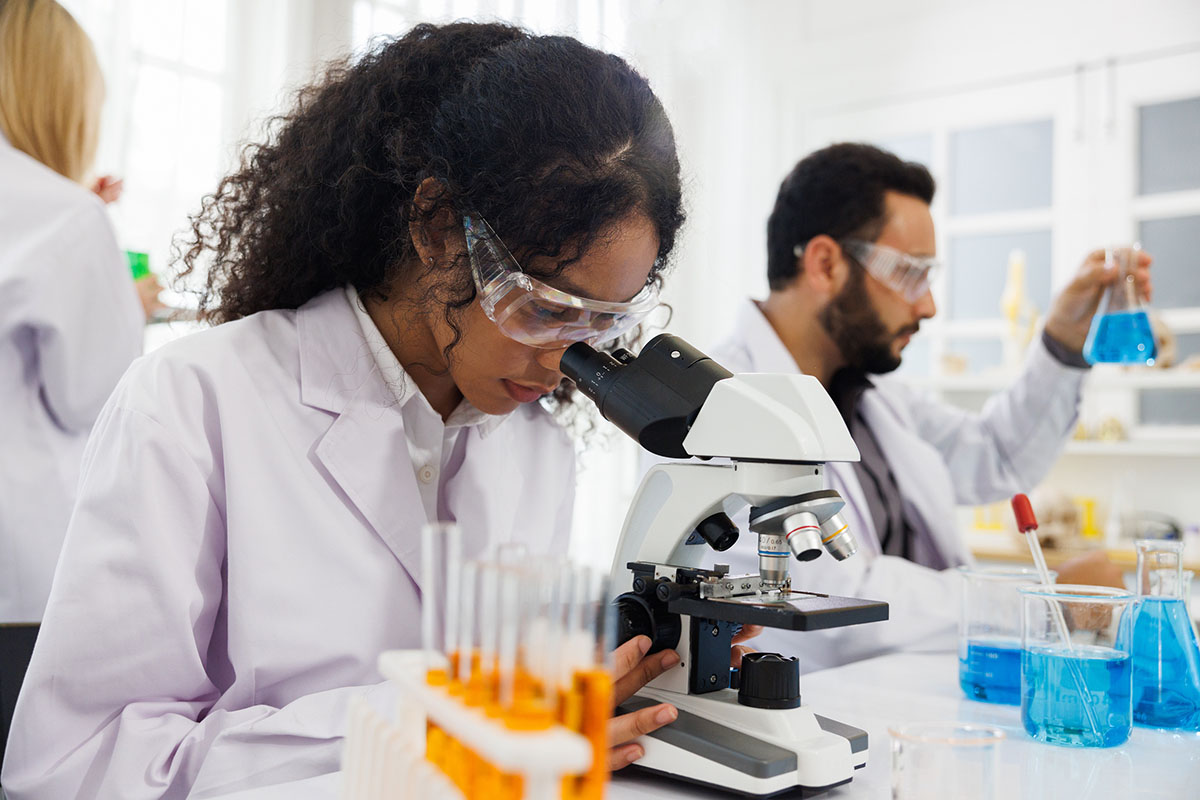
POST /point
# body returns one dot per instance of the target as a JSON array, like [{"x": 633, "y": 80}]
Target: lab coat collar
[
  {"x": 365, "y": 450},
  {"x": 769, "y": 352},
  {"x": 401, "y": 384},
  {"x": 336, "y": 364},
  {"x": 341, "y": 358},
  {"x": 338, "y": 374}
]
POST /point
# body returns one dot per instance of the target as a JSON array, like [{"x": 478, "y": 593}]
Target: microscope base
[{"x": 749, "y": 751}]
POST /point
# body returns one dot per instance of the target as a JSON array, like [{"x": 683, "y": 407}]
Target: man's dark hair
[{"x": 837, "y": 191}]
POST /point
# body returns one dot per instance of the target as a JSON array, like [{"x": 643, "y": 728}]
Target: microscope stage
[{"x": 790, "y": 610}]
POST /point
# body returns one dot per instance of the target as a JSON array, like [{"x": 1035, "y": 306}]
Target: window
[
  {"x": 1001, "y": 168},
  {"x": 1168, "y": 158},
  {"x": 1167, "y": 210},
  {"x": 168, "y": 90}
]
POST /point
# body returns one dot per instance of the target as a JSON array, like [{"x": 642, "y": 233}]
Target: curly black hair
[
  {"x": 837, "y": 191},
  {"x": 549, "y": 140}
]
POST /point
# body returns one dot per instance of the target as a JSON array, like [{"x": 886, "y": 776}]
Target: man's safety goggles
[
  {"x": 536, "y": 314},
  {"x": 909, "y": 275}
]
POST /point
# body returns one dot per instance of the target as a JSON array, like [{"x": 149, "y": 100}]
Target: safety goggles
[
  {"x": 909, "y": 275},
  {"x": 536, "y": 314}
]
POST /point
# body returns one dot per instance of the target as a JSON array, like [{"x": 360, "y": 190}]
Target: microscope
[{"x": 762, "y": 440}]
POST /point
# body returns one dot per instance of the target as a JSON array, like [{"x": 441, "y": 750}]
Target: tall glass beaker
[
  {"x": 989, "y": 633},
  {"x": 1121, "y": 332},
  {"x": 1166, "y": 655},
  {"x": 1075, "y": 665}
]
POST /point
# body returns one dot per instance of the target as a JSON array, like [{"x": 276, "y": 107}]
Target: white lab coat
[
  {"x": 70, "y": 323},
  {"x": 941, "y": 456},
  {"x": 245, "y": 545}
]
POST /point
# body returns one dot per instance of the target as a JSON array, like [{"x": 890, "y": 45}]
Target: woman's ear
[
  {"x": 434, "y": 236},
  {"x": 824, "y": 268}
]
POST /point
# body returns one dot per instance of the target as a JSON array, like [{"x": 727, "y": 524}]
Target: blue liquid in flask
[
  {"x": 1121, "y": 337},
  {"x": 1166, "y": 665},
  {"x": 991, "y": 671},
  {"x": 1051, "y": 703}
]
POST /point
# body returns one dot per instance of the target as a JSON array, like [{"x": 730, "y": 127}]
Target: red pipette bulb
[{"x": 1026, "y": 521}]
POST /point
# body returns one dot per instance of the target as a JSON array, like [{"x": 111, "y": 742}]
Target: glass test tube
[
  {"x": 592, "y": 679},
  {"x": 441, "y": 553},
  {"x": 465, "y": 659},
  {"x": 487, "y": 615}
]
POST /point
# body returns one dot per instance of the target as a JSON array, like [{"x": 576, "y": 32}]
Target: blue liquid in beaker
[
  {"x": 991, "y": 671},
  {"x": 1051, "y": 705},
  {"x": 1122, "y": 337},
  {"x": 1166, "y": 665}
]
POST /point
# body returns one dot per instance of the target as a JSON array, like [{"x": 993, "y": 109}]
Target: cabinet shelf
[
  {"x": 1004, "y": 551},
  {"x": 1179, "y": 448},
  {"x": 1101, "y": 379}
]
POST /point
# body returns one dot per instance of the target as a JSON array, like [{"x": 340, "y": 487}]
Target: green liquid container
[{"x": 139, "y": 264}]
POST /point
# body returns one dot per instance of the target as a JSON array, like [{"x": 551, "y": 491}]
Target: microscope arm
[{"x": 673, "y": 499}]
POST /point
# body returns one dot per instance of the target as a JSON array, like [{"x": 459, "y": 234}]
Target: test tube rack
[{"x": 386, "y": 759}]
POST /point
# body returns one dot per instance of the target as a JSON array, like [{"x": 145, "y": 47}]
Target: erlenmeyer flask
[
  {"x": 1166, "y": 655},
  {"x": 1121, "y": 332}
]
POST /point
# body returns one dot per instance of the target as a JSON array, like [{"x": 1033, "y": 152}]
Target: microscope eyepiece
[
  {"x": 593, "y": 372},
  {"x": 654, "y": 397}
]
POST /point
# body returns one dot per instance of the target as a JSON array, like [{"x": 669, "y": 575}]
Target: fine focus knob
[{"x": 770, "y": 680}]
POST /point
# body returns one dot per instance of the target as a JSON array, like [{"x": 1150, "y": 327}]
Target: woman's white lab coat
[
  {"x": 245, "y": 545},
  {"x": 70, "y": 324},
  {"x": 941, "y": 456}
]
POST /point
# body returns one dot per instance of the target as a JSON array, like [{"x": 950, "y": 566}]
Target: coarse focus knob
[
  {"x": 769, "y": 680},
  {"x": 641, "y": 616}
]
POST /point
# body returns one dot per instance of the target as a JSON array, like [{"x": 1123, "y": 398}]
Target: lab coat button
[{"x": 427, "y": 474}]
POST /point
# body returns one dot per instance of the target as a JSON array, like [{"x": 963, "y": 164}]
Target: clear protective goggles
[
  {"x": 909, "y": 275},
  {"x": 536, "y": 314}
]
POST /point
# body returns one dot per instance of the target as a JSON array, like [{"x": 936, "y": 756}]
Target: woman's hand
[
  {"x": 148, "y": 288},
  {"x": 109, "y": 188},
  {"x": 739, "y": 650},
  {"x": 633, "y": 669}
]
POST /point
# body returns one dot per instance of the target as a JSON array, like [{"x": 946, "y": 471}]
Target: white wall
[{"x": 747, "y": 82}]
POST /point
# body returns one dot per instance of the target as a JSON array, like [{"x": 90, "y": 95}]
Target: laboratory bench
[
  {"x": 1000, "y": 550},
  {"x": 902, "y": 688},
  {"x": 893, "y": 690}
]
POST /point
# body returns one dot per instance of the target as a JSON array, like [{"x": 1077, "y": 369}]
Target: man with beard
[{"x": 850, "y": 257}]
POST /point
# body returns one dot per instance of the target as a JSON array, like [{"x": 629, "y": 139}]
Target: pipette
[{"x": 1027, "y": 524}]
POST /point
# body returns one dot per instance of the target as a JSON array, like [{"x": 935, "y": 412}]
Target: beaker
[
  {"x": 941, "y": 760},
  {"x": 1076, "y": 691},
  {"x": 1120, "y": 331},
  {"x": 989, "y": 633},
  {"x": 1166, "y": 655}
]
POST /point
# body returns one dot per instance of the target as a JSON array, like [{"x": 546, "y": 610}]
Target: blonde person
[{"x": 70, "y": 322}]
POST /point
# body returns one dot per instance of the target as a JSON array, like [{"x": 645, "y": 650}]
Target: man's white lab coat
[
  {"x": 210, "y": 621},
  {"x": 70, "y": 323},
  {"x": 941, "y": 456}
]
